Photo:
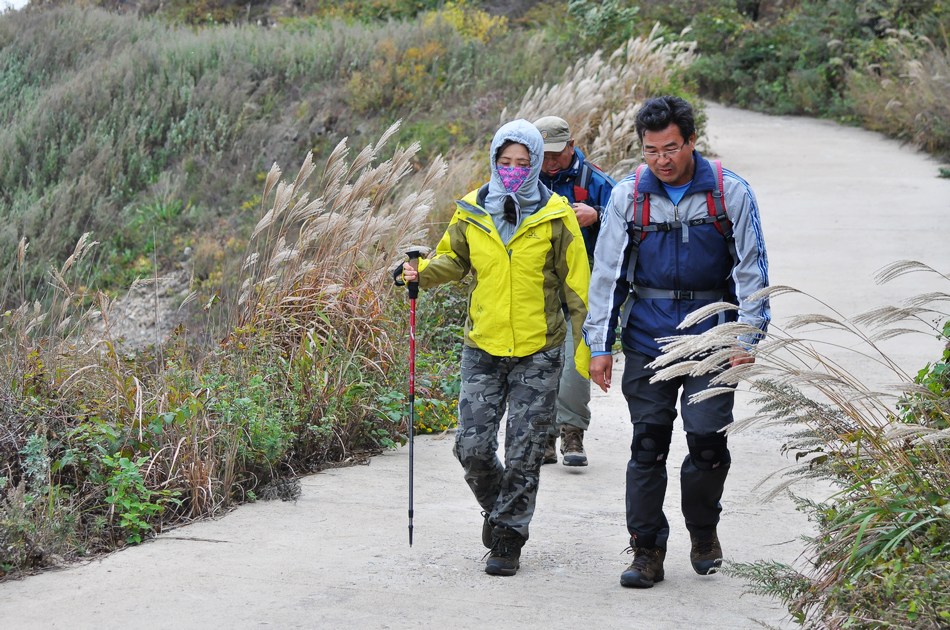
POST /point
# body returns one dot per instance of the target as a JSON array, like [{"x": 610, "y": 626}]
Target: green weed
[{"x": 133, "y": 503}]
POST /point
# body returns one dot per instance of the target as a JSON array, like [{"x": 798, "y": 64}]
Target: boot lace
[
  {"x": 571, "y": 442},
  {"x": 642, "y": 557},
  {"x": 503, "y": 547}
]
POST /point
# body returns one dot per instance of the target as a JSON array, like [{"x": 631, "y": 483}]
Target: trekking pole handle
[{"x": 414, "y": 263}]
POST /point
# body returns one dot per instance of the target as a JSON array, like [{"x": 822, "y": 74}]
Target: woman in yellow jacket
[{"x": 524, "y": 248}]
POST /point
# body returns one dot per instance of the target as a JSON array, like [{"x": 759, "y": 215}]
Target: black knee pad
[
  {"x": 708, "y": 451},
  {"x": 651, "y": 444}
]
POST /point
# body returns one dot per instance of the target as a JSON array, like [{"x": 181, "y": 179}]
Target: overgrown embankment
[{"x": 291, "y": 355}]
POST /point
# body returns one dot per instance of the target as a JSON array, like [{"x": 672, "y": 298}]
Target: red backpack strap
[
  {"x": 581, "y": 182},
  {"x": 635, "y": 230},
  {"x": 641, "y": 204},
  {"x": 641, "y": 219},
  {"x": 716, "y": 203}
]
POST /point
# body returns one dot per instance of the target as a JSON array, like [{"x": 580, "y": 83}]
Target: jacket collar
[{"x": 483, "y": 193}]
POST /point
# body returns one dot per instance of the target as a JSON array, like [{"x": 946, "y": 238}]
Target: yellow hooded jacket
[{"x": 514, "y": 303}]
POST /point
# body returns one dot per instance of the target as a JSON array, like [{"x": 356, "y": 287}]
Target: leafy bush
[
  {"x": 602, "y": 25},
  {"x": 470, "y": 22},
  {"x": 879, "y": 64}
]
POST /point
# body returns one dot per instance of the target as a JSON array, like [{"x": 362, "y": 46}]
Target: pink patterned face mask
[{"x": 513, "y": 176}]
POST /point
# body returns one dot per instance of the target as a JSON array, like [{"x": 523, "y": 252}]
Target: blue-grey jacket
[
  {"x": 598, "y": 189},
  {"x": 696, "y": 258}
]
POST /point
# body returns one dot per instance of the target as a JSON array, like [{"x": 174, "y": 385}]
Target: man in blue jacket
[
  {"x": 669, "y": 244},
  {"x": 566, "y": 171}
]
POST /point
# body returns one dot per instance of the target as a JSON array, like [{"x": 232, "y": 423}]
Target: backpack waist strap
[{"x": 649, "y": 293}]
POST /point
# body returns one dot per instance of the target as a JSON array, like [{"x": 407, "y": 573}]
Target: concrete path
[{"x": 837, "y": 205}]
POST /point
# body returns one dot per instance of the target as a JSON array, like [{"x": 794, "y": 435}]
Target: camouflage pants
[{"x": 527, "y": 387}]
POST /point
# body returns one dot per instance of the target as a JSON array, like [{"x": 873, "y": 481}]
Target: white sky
[{"x": 12, "y": 4}]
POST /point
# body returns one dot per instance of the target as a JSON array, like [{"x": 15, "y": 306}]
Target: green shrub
[{"x": 602, "y": 25}]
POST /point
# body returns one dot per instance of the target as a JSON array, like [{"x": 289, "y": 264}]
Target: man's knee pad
[
  {"x": 651, "y": 444},
  {"x": 708, "y": 451}
]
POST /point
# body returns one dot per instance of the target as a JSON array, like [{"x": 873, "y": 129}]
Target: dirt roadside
[{"x": 837, "y": 204}]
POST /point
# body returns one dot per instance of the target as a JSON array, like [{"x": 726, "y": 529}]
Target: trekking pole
[
  {"x": 413, "y": 294},
  {"x": 413, "y": 255}
]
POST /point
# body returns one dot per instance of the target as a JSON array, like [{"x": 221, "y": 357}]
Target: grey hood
[{"x": 528, "y": 198}]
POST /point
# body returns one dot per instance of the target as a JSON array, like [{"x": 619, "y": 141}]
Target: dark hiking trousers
[
  {"x": 652, "y": 412},
  {"x": 527, "y": 388}
]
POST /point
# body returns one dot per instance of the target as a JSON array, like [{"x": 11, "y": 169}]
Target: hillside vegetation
[
  {"x": 277, "y": 158},
  {"x": 290, "y": 162}
]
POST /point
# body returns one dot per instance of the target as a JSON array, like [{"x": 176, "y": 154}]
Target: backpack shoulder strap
[
  {"x": 635, "y": 230},
  {"x": 716, "y": 203},
  {"x": 716, "y": 206},
  {"x": 641, "y": 209},
  {"x": 581, "y": 182}
]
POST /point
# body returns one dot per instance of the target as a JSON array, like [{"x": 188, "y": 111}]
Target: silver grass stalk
[{"x": 902, "y": 267}]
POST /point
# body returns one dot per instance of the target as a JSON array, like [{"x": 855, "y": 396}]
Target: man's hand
[
  {"x": 741, "y": 357},
  {"x": 586, "y": 215},
  {"x": 601, "y": 368}
]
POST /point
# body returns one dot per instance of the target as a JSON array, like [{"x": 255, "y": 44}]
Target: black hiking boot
[
  {"x": 646, "y": 568},
  {"x": 503, "y": 559},
  {"x": 572, "y": 446},
  {"x": 550, "y": 450},
  {"x": 706, "y": 553},
  {"x": 486, "y": 530}
]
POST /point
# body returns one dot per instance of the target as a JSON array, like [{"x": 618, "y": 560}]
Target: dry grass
[
  {"x": 909, "y": 99},
  {"x": 815, "y": 364},
  {"x": 600, "y": 97},
  {"x": 885, "y": 446},
  {"x": 305, "y": 252}
]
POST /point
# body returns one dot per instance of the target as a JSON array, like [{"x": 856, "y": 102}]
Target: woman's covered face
[{"x": 514, "y": 166}]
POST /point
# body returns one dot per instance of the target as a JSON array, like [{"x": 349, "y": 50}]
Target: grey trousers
[
  {"x": 527, "y": 388},
  {"x": 573, "y": 393}
]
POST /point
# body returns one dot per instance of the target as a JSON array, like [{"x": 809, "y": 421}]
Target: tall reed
[{"x": 881, "y": 550}]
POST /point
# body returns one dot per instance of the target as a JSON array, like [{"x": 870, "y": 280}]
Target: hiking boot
[
  {"x": 550, "y": 450},
  {"x": 706, "y": 554},
  {"x": 486, "y": 530},
  {"x": 646, "y": 568},
  {"x": 503, "y": 559},
  {"x": 572, "y": 447}
]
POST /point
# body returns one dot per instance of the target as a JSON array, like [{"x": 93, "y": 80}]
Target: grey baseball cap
[{"x": 555, "y": 131}]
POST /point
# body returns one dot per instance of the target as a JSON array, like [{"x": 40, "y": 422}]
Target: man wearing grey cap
[{"x": 566, "y": 171}]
